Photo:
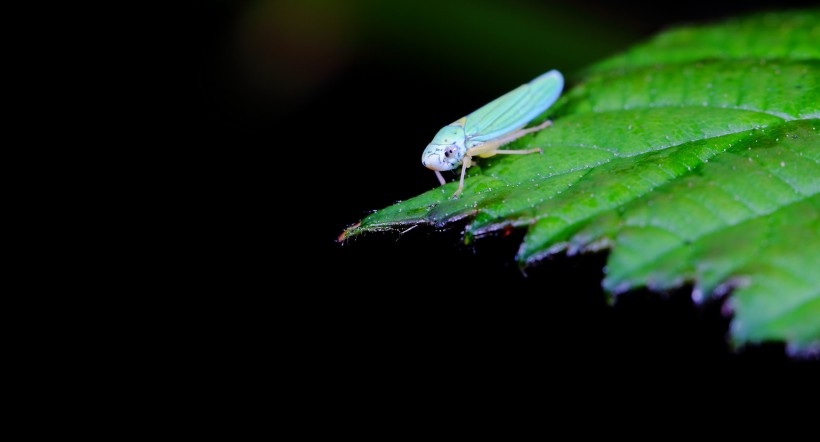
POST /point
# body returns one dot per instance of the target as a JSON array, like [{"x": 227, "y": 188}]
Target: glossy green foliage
[{"x": 694, "y": 158}]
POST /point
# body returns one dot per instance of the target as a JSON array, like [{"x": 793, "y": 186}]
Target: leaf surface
[{"x": 694, "y": 158}]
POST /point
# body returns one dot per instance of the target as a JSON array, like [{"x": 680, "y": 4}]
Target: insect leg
[
  {"x": 440, "y": 178},
  {"x": 465, "y": 163},
  {"x": 518, "y": 134}
]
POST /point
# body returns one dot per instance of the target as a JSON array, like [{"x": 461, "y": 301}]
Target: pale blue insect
[{"x": 495, "y": 124}]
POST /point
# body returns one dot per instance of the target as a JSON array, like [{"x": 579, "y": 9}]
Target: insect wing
[{"x": 514, "y": 109}]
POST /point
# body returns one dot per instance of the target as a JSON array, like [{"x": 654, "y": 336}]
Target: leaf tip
[{"x": 348, "y": 232}]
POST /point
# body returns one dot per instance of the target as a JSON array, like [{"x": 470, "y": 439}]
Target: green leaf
[{"x": 694, "y": 158}]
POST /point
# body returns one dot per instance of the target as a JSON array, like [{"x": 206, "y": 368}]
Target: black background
[{"x": 270, "y": 177}]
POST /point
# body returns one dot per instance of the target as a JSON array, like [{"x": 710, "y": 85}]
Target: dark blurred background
[{"x": 298, "y": 118}]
